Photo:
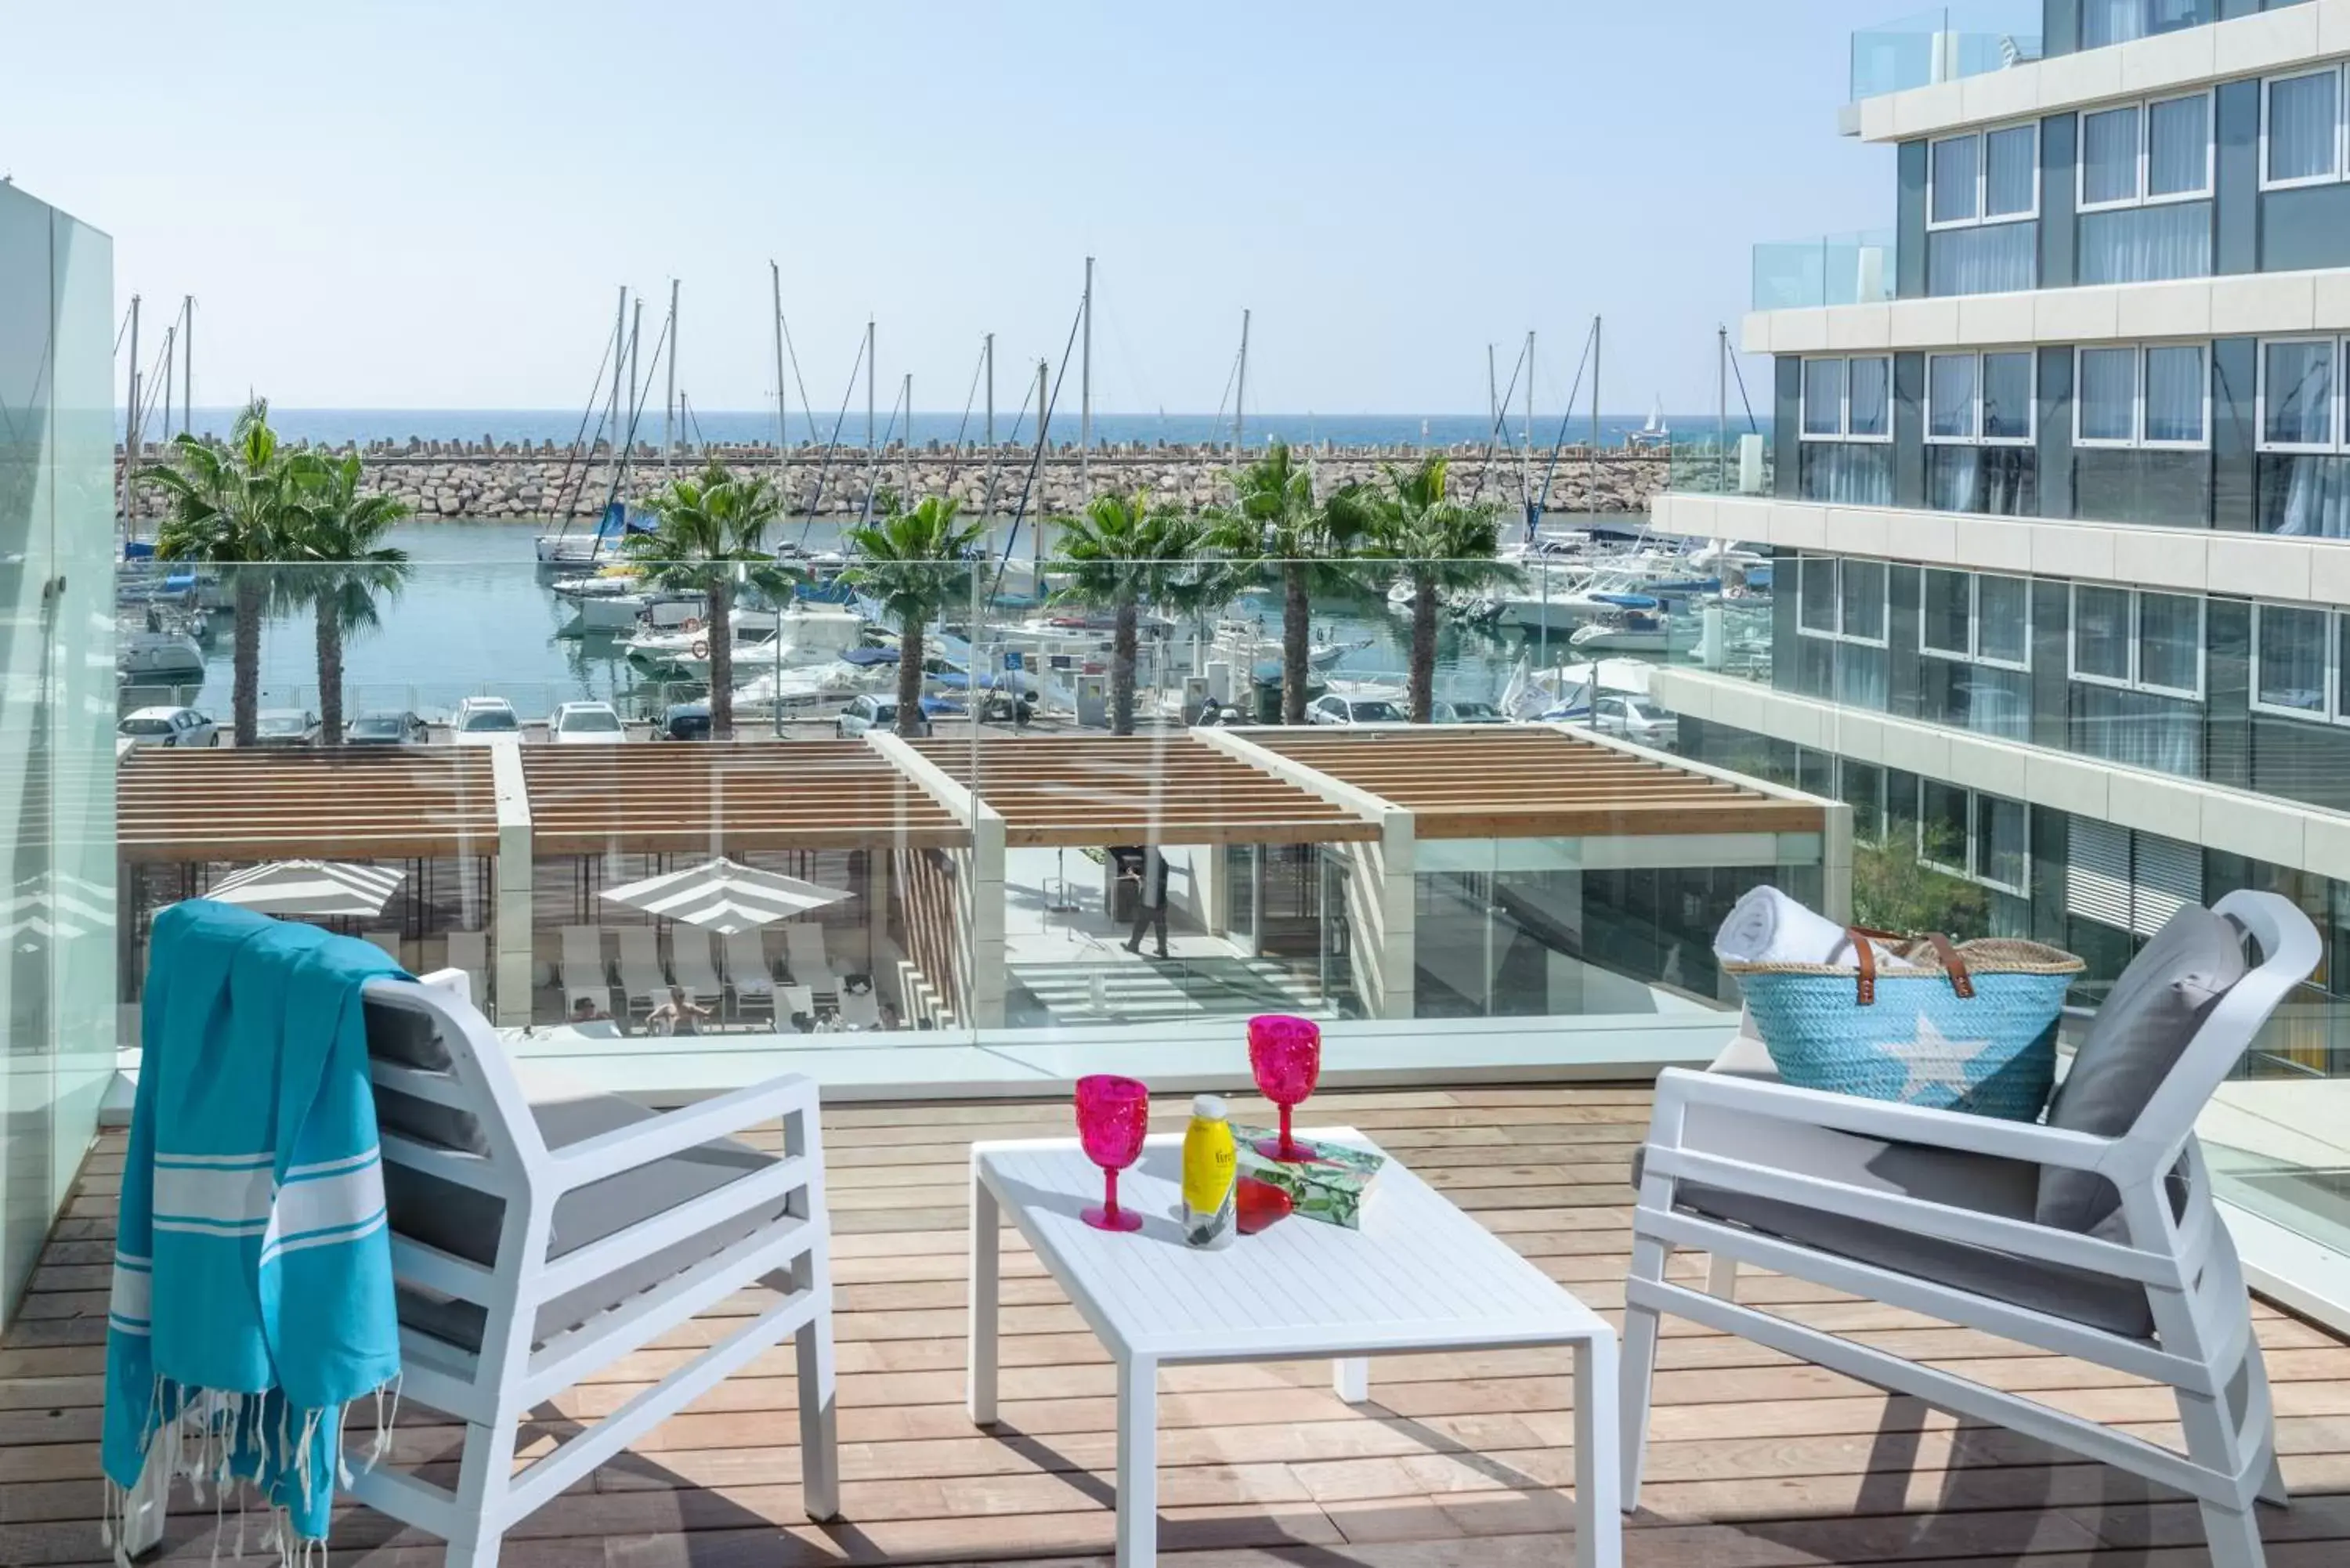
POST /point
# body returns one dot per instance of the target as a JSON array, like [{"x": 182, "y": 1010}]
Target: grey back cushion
[{"x": 2152, "y": 1012}]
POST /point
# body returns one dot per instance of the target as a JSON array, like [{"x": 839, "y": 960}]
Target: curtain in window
[
  {"x": 1993, "y": 480},
  {"x": 2101, "y": 632},
  {"x": 2003, "y": 618},
  {"x": 2178, "y": 146},
  {"x": 2109, "y": 156},
  {"x": 1817, "y": 593},
  {"x": 2146, "y": 245},
  {"x": 2175, "y": 393},
  {"x": 1956, "y": 166},
  {"x": 2007, "y": 396},
  {"x": 2304, "y": 493},
  {"x": 2301, "y": 126},
  {"x": 2298, "y": 393},
  {"x": 2012, "y": 172},
  {"x": 1993, "y": 702},
  {"x": 2105, "y": 22},
  {"x": 2107, "y": 397},
  {"x": 1853, "y": 474},
  {"x": 1871, "y": 386},
  {"x": 1860, "y": 676},
  {"x": 2170, "y": 641},
  {"x": 1862, "y": 590},
  {"x": 2001, "y": 842},
  {"x": 1823, "y": 397},
  {"x": 2140, "y": 729},
  {"x": 1998, "y": 258},
  {"x": 1943, "y": 628},
  {"x": 2290, "y": 669},
  {"x": 1951, "y": 396}
]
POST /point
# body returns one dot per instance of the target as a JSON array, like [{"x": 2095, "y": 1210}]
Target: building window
[
  {"x": 2141, "y": 153},
  {"x": 1985, "y": 398},
  {"x": 2139, "y": 641},
  {"x": 1975, "y": 836},
  {"x": 1985, "y": 176},
  {"x": 1976, "y": 617},
  {"x": 2105, "y": 22},
  {"x": 1842, "y": 599},
  {"x": 1849, "y": 399},
  {"x": 2297, "y": 661},
  {"x": 2300, "y": 395},
  {"x": 2301, "y": 129},
  {"x": 2159, "y": 395}
]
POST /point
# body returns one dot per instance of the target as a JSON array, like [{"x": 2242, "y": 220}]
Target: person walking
[{"x": 1150, "y": 903}]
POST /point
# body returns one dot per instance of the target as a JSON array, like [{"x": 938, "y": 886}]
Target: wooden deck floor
[{"x": 1758, "y": 1461}]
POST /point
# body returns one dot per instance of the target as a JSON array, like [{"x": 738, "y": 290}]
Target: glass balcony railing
[
  {"x": 1942, "y": 45},
  {"x": 1854, "y": 268}
]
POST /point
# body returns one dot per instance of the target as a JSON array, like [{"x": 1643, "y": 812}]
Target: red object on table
[
  {"x": 1258, "y": 1204},
  {"x": 1285, "y": 1054},
  {"x": 1113, "y": 1118}
]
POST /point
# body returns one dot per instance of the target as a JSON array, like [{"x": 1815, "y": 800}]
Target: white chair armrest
[
  {"x": 675, "y": 1132},
  {"x": 1679, "y": 1086}
]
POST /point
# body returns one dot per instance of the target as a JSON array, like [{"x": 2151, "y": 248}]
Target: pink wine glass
[
  {"x": 1113, "y": 1118},
  {"x": 1285, "y": 1054}
]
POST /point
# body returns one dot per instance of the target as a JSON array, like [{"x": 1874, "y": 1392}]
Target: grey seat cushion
[
  {"x": 460, "y": 1220},
  {"x": 2136, "y": 1038},
  {"x": 2007, "y": 1188}
]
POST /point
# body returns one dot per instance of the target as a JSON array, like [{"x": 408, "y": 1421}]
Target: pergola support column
[
  {"x": 513, "y": 952},
  {"x": 979, "y": 890}
]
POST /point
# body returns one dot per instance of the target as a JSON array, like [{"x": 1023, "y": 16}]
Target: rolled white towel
[{"x": 1768, "y": 927}]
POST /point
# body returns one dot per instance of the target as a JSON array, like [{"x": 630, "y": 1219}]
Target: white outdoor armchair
[{"x": 1940, "y": 1213}]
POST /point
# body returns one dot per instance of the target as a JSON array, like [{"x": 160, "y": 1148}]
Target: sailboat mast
[
  {"x": 636, "y": 400},
  {"x": 1527, "y": 457},
  {"x": 1085, "y": 395},
  {"x": 1591, "y": 500},
  {"x": 619, "y": 351},
  {"x": 783, "y": 413},
  {"x": 131, "y": 417},
  {"x": 868, "y": 387},
  {"x": 170, "y": 344},
  {"x": 187, "y": 363},
  {"x": 668, "y": 395},
  {"x": 1043, "y": 406},
  {"x": 991, "y": 392},
  {"x": 1722, "y": 411},
  {"x": 906, "y": 442},
  {"x": 1240, "y": 393}
]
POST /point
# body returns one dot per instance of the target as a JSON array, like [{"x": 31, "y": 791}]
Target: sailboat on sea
[{"x": 1656, "y": 435}]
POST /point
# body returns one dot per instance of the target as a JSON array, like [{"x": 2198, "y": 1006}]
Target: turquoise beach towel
[{"x": 253, "y": 1295}]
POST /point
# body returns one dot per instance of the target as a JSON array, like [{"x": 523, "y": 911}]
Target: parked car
[
  {"x": 587, "y": 725},
  {"x": 684, "y": 722},
  {"x": 181, "y": 727},
  {"x": 1636, "y": 719},
  {"x": 389, "y": 728},
  {"x": 865, "y": 713},
  {"x": 1337, "y": 709},
  {"x": 484, "y": 721},
  {"x": 286, "y": 727},
  {"x": 1458, "y": 712}
]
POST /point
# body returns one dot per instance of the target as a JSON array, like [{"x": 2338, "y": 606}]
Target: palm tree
[
  {"x": 1274, "y": 519},
  {"x": 1123, "y": 550},
  {"x": 709, "y": 535},
  {"x": 910, "y": 561},
  {"x": 341, "y": 529},
  {"x": 1443, "y": 544},
  {"x": 238, "y": 507}
]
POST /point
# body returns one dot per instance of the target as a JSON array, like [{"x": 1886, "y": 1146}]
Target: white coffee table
[{"x": 1420, "y": 1276}]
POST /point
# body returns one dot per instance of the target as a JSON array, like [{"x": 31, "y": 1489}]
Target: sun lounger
[
  {"x": 747, "y": 972},
  {"x": 804, "y": 949},
  {"x": 689, "y": 960},
  {"x": 584, "y": 974},
  {"x": 860, "y": 1009},
  {"x": 641, "y": 977},
  {"x": 470, "y": 951}
]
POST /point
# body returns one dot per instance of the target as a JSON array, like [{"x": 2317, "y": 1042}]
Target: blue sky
[{"x": 430, "y": 204}]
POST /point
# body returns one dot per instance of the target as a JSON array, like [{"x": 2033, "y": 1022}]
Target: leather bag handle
[
  {"x": 1865, "y": 952},
  {"x": 1953, "y": 965}
]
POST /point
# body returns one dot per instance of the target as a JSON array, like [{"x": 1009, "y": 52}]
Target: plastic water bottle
[{"x": 1210, "y": 1172}]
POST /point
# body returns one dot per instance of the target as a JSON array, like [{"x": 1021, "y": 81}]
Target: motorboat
[
  {"x": 1635, "y": 628},
  {"x": 819, "y": 688},
  {"x": 1247, "y": 644},
  {"x": 161, "y": 657}
]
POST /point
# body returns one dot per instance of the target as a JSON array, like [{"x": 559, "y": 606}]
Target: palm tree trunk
[
  {"x": 910, "y": 680},
  {"x": 245, "y": 690},
  {"x": 328, "y": 609},
  {"x": 1423, "y": 647},
  {"x": 1297, "y": 622},
  {"x": 721, "y": 660},
  {"x": 1122, "y": 661}
]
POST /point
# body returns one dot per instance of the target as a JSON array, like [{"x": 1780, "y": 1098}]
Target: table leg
[
  {"x": 1138, "y": 1463},
  {"x": 1598, "y": 1472},
  {"x": 1350, "y": 1379},
  {"x": 986, "y": 1249}
]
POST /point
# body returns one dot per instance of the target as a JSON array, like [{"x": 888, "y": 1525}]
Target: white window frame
[
  {"x": 2141, "y": 198},
  {"x": 1844, "y": 412},
  {"x": 2335, "y": 440},
  {"x": 1981, "y": 139},
  {"x": 2341, "y": 128},
  {"x": 2137, "y": 439},
  {"x": 2329, "y": 712},
  {"x": 1804, "y": 566},
  {"x": 1973, "y": 653},
  {"x": 2032, "y": 401},
  {"x": 2136, "y": 681},
  {"x": 1972, "y": 844}
]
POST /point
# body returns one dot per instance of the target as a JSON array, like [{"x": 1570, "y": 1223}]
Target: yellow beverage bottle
[{"x": 1210, "y": 1172}]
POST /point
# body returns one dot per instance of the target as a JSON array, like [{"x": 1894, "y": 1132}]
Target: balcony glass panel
[
  {"x": 1942, "y": 45},
  {"x": 2304, "y": 493},
  {"x": 1856, "y": 473},
  {"x": 1991, "y": 481},
  {"x": 1854, "y": 268}
]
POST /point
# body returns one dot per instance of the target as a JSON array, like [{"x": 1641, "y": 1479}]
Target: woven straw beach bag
[{"x": 1972, "y": 1029}]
